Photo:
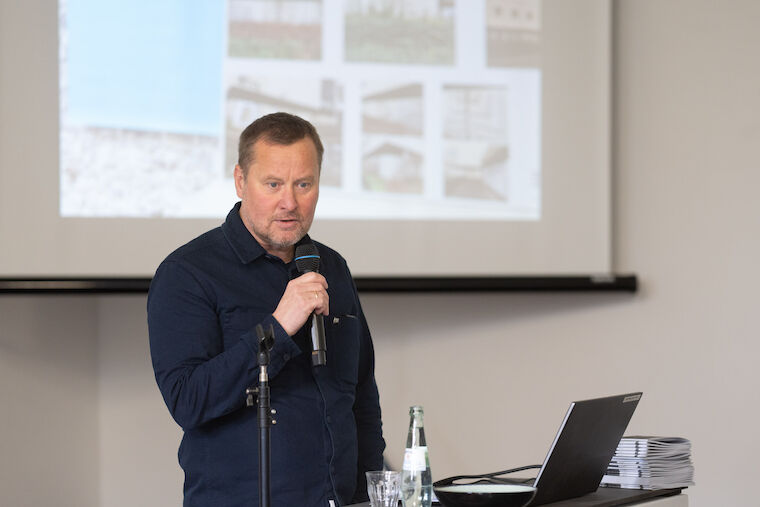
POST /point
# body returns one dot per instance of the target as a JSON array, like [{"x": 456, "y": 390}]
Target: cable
[{"x": 492, "y": 477}]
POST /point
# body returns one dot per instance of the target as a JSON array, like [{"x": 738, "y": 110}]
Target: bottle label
[{"x": 415, "y": 459}]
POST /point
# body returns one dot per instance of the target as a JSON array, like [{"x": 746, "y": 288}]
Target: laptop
[{"x": 583, "y": 447}]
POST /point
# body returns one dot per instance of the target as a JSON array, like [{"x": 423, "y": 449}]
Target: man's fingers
[
  {"x": 303, "y": 295},
  {"x": 316, "y": 299},
  {"x": 310, "y": 278},
  {"x": 321, "y": 302}
]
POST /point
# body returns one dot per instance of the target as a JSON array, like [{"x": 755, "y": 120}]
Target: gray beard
[{"x": 277, "y": 244}]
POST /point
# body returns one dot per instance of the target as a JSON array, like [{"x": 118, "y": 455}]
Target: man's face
[{"x": 279, "y": 194}]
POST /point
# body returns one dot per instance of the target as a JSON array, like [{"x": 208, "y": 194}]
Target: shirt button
[
  {"x": 329, "y": 419},
  {"x": 286, "y": 356}
]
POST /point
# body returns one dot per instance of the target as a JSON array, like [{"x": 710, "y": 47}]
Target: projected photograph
[
  {"x": 475, "y": 153},
  {"x": 392, "y": 158},
  {"x": 398, "y": 31},
  {"x": 392, "y": 165},
  {"x": 130, "y": 144},
  {"x": 318, "y": 101},
  {"x": 288, "y": 29},
  {"x": 153, "y": 99},
  {"x": 513, "y": 30}
]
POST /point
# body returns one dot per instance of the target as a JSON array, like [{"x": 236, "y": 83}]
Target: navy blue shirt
[{"x": 204, "y": 303}]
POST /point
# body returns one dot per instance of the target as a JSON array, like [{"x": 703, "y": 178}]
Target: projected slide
[{"x": 428, "y": 109}]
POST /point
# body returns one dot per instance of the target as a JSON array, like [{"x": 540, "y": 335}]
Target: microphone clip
[{"x": 266, "y": 342}]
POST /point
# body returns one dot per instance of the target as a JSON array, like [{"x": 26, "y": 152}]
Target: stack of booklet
[{"x": 651, "y": 463}]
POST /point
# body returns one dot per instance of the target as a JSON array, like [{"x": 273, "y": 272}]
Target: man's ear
[{"x": 239, "y": 180}]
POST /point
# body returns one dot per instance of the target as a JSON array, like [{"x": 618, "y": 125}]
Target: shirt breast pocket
[{"x": 343, "y": 348}]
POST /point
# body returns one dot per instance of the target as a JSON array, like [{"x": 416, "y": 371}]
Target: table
[{"x": 678, "y": 500}]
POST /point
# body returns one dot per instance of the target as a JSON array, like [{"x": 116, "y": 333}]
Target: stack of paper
[{"x": 651, "y": 463}]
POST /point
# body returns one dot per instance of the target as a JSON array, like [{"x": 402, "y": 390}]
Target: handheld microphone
[{"x": 307, "y": 261}]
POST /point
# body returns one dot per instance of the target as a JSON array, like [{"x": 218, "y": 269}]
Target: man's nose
[{"x": 288, "y": 198}]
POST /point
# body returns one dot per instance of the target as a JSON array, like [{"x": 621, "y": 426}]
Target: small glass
[{"x": 383, "y": 488}]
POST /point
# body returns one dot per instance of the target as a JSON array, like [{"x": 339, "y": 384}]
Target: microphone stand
[{"x": 261, "y": 396}]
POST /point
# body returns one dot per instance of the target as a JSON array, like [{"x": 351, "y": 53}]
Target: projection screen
[{"x": 462, "y": 138}]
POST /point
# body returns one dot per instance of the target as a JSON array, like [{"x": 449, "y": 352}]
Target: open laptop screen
[{"x": 583, "y": 447}]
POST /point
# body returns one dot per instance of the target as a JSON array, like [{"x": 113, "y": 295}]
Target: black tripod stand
[{"x": 260, "y": 396}]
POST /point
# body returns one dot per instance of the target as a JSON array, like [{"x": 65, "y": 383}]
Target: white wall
[
  {"x": 494, "y": 371},
  {"x": 138, "y": 440},
  {"x": 48, "y": 402}
]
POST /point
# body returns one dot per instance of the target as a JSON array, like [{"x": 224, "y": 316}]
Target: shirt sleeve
[
  {"x": 367, "y": 412},
  {"x": 199, "y": 379}
]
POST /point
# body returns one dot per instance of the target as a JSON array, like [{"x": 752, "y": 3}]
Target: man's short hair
[{"x": 276, "y": 128}]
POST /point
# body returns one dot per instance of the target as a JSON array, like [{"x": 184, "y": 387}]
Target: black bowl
[{"x": 484, "y": 495}]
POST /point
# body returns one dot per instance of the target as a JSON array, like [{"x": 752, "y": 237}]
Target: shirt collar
[{"x": 241, "y": 240}]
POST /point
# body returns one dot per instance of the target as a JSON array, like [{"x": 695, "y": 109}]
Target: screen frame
[{"x": 606, "y": 283}]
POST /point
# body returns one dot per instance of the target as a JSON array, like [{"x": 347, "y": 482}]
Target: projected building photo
[
  {"x": 514, "y": 33},
  {"x": 392, "y": 120},
  {"x": 475, "y": 152},
  {"x": 288, "y": 29},
  {"x": 400, "y": 31}
]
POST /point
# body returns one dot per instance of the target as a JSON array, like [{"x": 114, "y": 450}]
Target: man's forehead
[{"x": 274, "y": 159}]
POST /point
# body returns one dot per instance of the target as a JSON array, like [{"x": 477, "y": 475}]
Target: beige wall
[
  {"x": 138, "y": 440},
  {"x": 494, "y": 371},
  {"x": 48, "y": 401}
]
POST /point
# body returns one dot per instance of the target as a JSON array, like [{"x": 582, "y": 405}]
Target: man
[{"x": 204, "y": 303}]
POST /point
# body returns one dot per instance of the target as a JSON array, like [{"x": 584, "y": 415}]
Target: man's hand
[{"x": 303, "y": 295}]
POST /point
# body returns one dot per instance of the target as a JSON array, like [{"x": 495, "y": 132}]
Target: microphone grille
[{"x": 307, "y": 258}]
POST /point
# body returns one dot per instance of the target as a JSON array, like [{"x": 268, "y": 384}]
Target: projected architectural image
[
  {"x": 514, "y": 33},
  {"x": 392, "y": 159},
  {"x": 398, "y": 31},
  {"x": 475, "y": 154},
  {"x": 290, "y": 29}
]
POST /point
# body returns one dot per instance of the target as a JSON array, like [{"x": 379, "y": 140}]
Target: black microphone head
[{"x": 307, "y": 258}]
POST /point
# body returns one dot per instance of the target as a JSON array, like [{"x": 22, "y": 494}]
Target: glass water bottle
[{"x": 416, "y": 480}]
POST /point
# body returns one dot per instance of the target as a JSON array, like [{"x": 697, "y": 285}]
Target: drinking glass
[{"x": 383, "y": 488}]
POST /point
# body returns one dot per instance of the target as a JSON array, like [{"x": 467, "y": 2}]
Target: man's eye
[
  {"x": 272, "y": 184},
  {"x": 304, "y": 185}
]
